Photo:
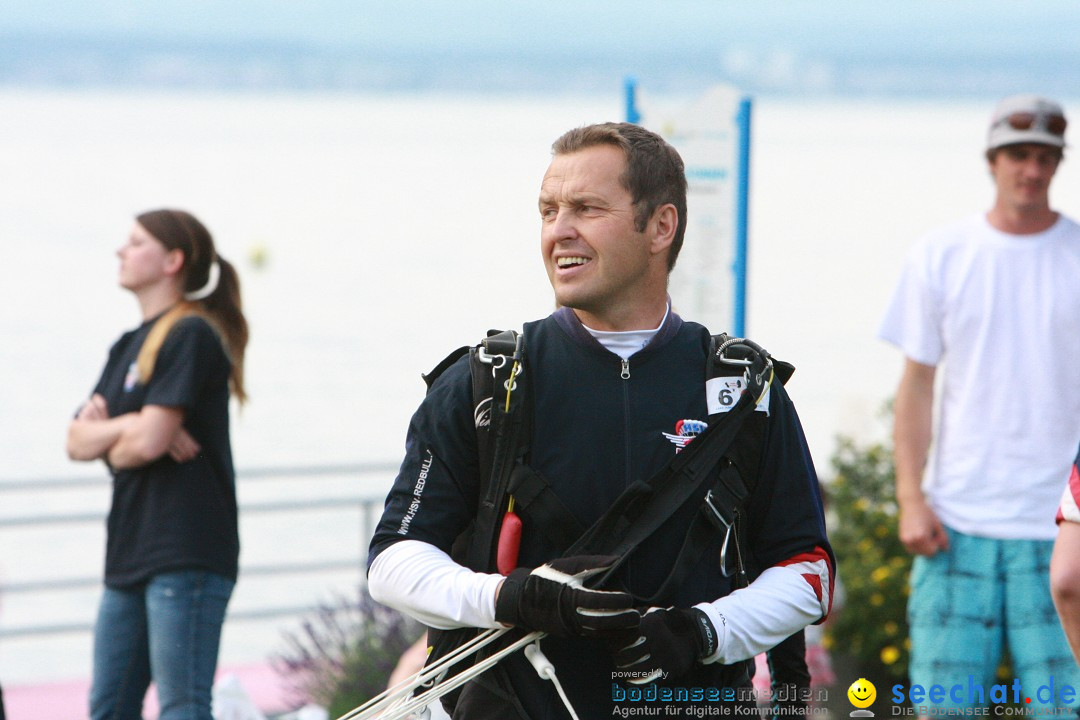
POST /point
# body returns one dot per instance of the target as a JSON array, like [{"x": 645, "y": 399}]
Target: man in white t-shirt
[{"x": 994, "y": 301}]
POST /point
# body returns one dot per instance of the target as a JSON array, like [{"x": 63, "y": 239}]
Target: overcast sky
[
  {"x": 813, "y": 37},
  {"x": 913, "y": 25}
]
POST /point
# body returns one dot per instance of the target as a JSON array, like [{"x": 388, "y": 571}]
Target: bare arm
[
  {"x": 93, "y": 432},
  {"x": 148, "y": 437},
  {"x": 920, "y": 529},
  {"x": 184, "y": 447},
  {"x": 1065, "y": 582}
]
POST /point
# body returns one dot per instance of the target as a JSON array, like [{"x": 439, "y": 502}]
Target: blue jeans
[{"x": 168, "y": 632}]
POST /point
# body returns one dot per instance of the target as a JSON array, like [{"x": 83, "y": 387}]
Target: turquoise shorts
[{"x": 971, "y": 602}]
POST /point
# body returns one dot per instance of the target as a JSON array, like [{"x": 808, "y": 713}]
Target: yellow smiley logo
[{"x": 862, "y": 693}]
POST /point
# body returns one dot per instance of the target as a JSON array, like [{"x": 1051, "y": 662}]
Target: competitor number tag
[{"x": 723, "y": 392}]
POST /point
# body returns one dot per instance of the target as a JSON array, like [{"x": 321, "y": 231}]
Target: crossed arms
[{"x": 129, "y": 440}]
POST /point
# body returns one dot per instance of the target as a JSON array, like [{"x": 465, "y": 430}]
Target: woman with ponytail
[{"x": 159, "y": 418}]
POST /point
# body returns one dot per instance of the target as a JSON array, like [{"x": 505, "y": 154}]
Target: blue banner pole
[
  {"x": 742, "y": 218},
  {"x": 630, "y": 87}
]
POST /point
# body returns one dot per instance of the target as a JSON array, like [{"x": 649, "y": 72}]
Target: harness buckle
[
  {"x": 726, "y": 525},
  {"x": 717, "y": 516},
  {"x": 496, "y": 350},
  {"x": 755, "y": 359},
  {"x": 495, "y": 361}
]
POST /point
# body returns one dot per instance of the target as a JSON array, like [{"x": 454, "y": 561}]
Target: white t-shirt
[
  {"x": 626, "y": 342},
  {"x": 1001, "y": 314}
]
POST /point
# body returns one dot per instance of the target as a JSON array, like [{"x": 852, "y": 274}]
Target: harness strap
[
  {"x": 431, "y": 377},
  {"x": 718, "y": 515},
  {"x": 645, "y": 506},
  {"x": 502, "y": 419},
  {"x": 546, "y": 513},
  {"x": 505, "y": 444}
]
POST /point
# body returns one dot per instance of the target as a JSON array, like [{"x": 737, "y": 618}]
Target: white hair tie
[{"x": 211, "y": 284}]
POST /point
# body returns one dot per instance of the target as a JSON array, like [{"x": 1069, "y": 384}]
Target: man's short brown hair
[{"x": 654, "y": 175}]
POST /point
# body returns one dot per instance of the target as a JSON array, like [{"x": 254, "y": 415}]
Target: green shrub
[{"x": 871, "y": 629}]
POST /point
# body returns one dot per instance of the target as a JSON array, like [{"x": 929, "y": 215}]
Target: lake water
[{"x": 393, "y": 229}]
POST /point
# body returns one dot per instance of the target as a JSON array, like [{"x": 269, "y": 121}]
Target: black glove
[
  {"x": 552, "y": 598},
  {"x": 669, "y": 642}
]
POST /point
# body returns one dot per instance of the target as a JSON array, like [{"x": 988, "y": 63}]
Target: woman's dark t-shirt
[{"x": 168, "y": 516}]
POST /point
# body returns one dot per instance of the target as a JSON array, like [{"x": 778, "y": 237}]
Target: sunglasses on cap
[{"x": 1053, "y": 124}]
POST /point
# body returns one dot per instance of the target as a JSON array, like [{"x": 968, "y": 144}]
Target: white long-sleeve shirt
[{"x": 424, "y": 582}]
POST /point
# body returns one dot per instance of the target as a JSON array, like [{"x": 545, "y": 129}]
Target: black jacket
[{"x": 601, "y": 423}]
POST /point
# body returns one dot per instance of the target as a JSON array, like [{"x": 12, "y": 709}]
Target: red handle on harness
[{"x": 506, "y": 556}]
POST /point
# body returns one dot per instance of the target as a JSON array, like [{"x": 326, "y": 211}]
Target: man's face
[
  {"x": 596, "y": 260},
  {"x": 1023, "y": 173}
]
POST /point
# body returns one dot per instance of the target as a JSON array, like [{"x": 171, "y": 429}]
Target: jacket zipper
[{"x": 628, "y": 455}]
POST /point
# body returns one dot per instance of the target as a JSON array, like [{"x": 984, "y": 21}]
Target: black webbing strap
[
  {"x": 645, "y": 506},
  {"x": 443, "y": 366},
  {"x": 506, "y": 441},
  {"x": 502, "y": 417},
  {"x": 542, "y": 509},
  {"x": 719, "y": 514}
]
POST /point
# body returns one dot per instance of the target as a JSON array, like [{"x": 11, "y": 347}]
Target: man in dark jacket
[{"x": 618, "y": 387}]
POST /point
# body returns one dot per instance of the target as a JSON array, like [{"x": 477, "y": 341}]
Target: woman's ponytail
[{"x": 224, "y": 309}]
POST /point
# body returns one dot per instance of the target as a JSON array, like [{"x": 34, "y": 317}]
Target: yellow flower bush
[
  {"x": 870, "y": 628},
  {"x": 890, "y": 654}
]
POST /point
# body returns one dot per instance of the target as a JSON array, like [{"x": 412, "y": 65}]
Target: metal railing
[{"x": 41, "y": 588}]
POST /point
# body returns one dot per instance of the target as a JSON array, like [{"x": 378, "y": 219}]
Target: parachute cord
[
  {"x": 546, "y": 671},
  {"x": 389, "y": 706}
]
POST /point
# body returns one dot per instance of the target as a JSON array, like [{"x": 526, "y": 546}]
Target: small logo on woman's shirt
[{"x": 132, "y": 377}]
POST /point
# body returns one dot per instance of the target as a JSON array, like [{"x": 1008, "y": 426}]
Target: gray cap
[{"x": 1026, "y": 119}]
